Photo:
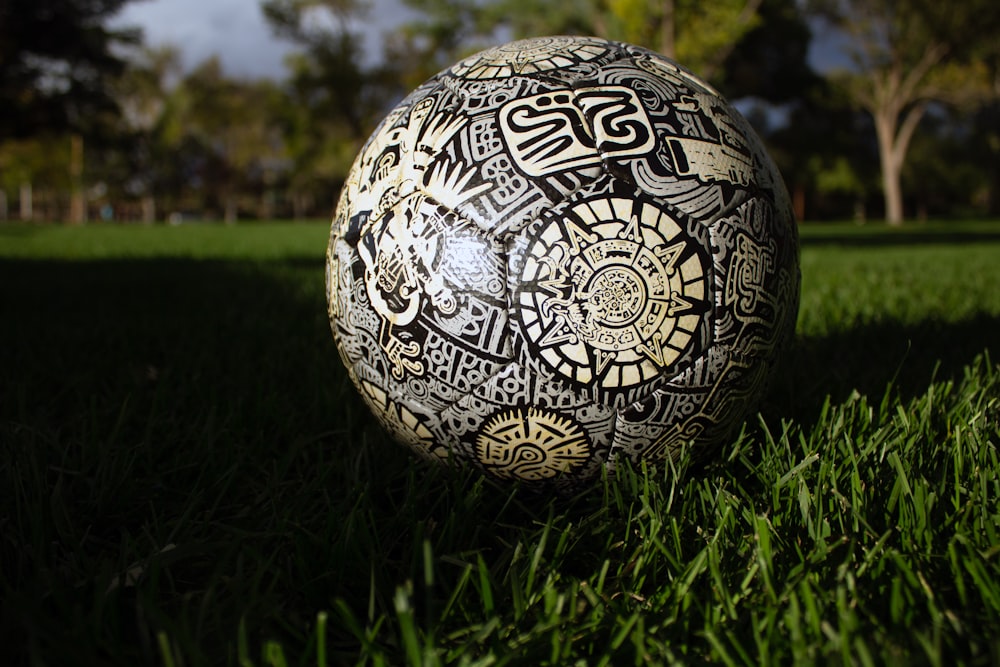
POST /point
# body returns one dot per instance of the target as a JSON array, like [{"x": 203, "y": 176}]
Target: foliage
[
  {"x": 191, "y": 480},
  {"x": 44, "y": 158},
  {"x": 159, "y": 151},
  {"x": 937, "y": 175},
  {"x": 232, "y": 124},
  {"x": 57, "y": 59},
  {"x": 701, "y": 35},
  {"x": 445, "y": 30},
  {"x": 333, "y": 99},
  {"x": 771, "y": 60}
]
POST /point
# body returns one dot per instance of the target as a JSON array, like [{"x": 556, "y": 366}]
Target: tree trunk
[
  {"x": 892, "y": 191},
  {"x": 230, "y": 212},
  {"x": 25, "y": 201},
  {"x": 894, "y": 131},
  {"x": 3, "y": 206},
  {"x": 148, "y": 206},
  {"x": 77, "y": 201},
  {"x": 799, "y": 202},
  {"x": 668, "y": 30},
  {"x": 885, "y": 132},
  {"x": 298, "y": 205}
]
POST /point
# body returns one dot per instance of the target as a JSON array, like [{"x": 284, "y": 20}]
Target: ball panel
[
  {"x": 352, "y": 318},
  {"x": 558, "y": 57},
  {"x": 403, "y": 421},
  {"x": 699, "y": 409},
  {"x": 757, "y": 279},
  {"x": 421, "y": 304},
  {"x": 532, "y": 444},
  {"x": 393, "y": 160},
  {"x": 496, "y": 405},
  {"x": 526, "y": 140},
  {"x": 476, "y": 151},
  {"x": 702, "y": 161}
]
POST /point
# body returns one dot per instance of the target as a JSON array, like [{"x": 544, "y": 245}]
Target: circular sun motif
[
  {"x": 528, "y": 57},
  {"x": 613, "y": 294},
  {"x": 616, "y": 296},
  {"x": 531, "y": 444}
]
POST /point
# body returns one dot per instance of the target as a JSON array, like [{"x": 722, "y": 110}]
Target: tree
[
  {"x": 907, "y": 55},
  {"x": 144, "y": 94},
  {"x": 701, "y": 35},
  {"x": 827, "y": 170},
  {"x": 770, "y": 61},
  {"x": 56, "y": 60},
  {"x": 948, "y": 168},
  {"x": 698, "y": 34},
  {"x": 26, "y": 163},
  {"x": 231, "y": 124},
  {"x": 984, "y": 150},
  {"x": 335, "y": 98},
  {"x": 444, "y": 31}
]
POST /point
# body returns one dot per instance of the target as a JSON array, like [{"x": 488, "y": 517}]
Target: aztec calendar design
[{"x": 559, "y": 254}]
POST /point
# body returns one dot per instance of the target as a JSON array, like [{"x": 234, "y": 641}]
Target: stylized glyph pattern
[{"x": 559, "y": 253}]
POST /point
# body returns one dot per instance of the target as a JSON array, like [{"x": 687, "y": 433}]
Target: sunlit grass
[
  {"x": 190, "y": 479},
  {"x": 244, "y": 241}
]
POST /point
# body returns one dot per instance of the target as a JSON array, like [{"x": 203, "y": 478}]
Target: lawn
[{"x": 189, "y": 478}]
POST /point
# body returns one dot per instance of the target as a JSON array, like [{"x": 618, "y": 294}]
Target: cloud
[{"x": 237, "y": 32}]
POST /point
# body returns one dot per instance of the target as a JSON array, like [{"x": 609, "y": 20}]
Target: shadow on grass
[
  {"x": 213, "y": 335},
  {"x": 201, "y": 405},
  {"x": 156, "y": 407},
  {"x": 872, "y": 357}
]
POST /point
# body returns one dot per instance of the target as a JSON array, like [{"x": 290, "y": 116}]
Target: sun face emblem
[
  {"x": 613, "y": 295},
  {"x": 531, "y": 444}
]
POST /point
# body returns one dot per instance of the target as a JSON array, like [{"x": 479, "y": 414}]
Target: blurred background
[{"x": 153, "y": 111}]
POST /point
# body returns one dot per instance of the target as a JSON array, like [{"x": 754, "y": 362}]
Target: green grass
[
  {"x": 188, "y": 478},
  {"x": 256, "y": 241}
]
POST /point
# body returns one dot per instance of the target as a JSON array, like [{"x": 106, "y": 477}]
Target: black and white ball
[{"x": 558, "y": 254}]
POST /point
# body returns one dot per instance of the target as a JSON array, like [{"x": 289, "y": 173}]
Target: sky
[{"x": 235, "y": 30}]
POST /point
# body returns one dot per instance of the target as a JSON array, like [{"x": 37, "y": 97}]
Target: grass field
[{"x": 188, "y": 478}]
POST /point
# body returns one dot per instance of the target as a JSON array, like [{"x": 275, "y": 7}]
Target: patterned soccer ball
[{"x": 559, "y": 254}]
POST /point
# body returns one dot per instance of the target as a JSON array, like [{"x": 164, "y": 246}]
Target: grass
[{"x": 188, "y": 478}]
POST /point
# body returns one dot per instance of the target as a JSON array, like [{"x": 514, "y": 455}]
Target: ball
[{"x": 560, "y": 254}]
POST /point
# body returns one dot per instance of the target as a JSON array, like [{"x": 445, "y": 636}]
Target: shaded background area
[{"x": 120, "y": 110}]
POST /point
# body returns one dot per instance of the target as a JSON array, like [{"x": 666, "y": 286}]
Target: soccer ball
[{"x": 559, "y": 254}]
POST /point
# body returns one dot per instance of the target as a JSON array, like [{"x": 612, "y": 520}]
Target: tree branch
[
  {"x": 906, "y": 129},
  {"x": 910, "y": 83}
]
